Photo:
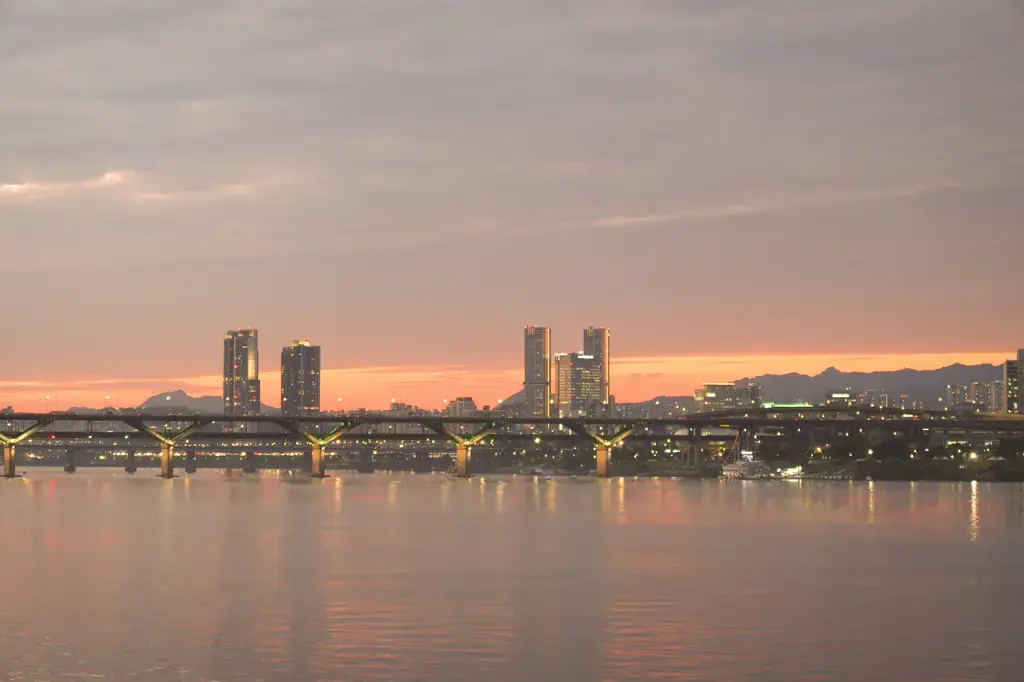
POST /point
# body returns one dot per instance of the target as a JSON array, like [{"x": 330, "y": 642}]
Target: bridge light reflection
[{"x": 975, "y": 520}]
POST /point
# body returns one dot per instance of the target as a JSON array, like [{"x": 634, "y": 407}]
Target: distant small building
[{"x": 844, "y": 398}]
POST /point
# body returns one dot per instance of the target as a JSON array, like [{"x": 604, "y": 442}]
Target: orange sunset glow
[{"x": 633, "y": 379}]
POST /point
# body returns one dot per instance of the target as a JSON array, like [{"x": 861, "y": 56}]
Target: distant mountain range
[
  {"x": 181, "y": 402},
  {"x": 926, "y": 385},
  {"x": 922, "y": 385}
]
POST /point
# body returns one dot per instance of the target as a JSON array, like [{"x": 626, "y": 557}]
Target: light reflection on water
[{"x": 365, "y": 577}]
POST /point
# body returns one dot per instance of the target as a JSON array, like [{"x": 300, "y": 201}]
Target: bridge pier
[
  {"x": 463, "y": 458},
  {"x": 69, "y": 462},
  {"x": 9, "y": 471},
  {"x": 319, "y": 469},
  {"x": 604, "y": 461},
  {"x": 249, "y": 463},
  {"x": 696, "y": 449},
  {"x": 166, "y": 460},
  {"x": 364, "y": 463},
  {"x": 130, "y": 466},
  {"x": 190, "y": 462}
]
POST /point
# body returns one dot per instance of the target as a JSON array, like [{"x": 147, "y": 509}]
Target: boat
[{"x": 746, "y": 469}]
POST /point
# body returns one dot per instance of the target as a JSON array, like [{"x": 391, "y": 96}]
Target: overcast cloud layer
[{"x": 410, "y": 182}]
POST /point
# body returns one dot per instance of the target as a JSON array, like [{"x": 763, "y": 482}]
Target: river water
[{"x": 217, "y": 576}]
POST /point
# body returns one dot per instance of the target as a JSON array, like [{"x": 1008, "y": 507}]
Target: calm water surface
[{"x": 218, "y": 576}]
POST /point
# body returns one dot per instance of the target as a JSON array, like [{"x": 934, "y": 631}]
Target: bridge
[{"x": 171, "y": 431}]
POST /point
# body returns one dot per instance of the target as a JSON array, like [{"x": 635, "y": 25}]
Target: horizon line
[{"x": 637, "y": 378}]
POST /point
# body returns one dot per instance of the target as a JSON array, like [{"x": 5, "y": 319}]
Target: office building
[
  {"x": 844, "y": 398},
  {"x": 241, "y": 373},
  {"x": 596, "y": 344},
  {"x": 753, "y": 395},
  {"x": 300, "y": 379},
  {"x": 537, "y": 371},
  {"x": 585, "y": 386},
  {"x": 722, "y": 397}
]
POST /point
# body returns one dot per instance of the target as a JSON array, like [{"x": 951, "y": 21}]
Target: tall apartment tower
[
  {"x": 563, "y": 376},
  {"x": 1012, "y": 370},
  {"x": 241, "y": 373},
  {"x": 300, "y": 379},
  {"x": 595, "y": 344},
  {"x": 585, "y": 380},
  {"x": 995, "y": 401},
  {"x": 537, "y": 375}
]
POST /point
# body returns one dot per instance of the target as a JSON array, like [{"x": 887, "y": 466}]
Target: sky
[{"x": 733, "y": 188}]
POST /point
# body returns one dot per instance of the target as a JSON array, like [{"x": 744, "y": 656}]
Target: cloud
[
  {"x": 117, "y": 184},
  {"x": 772, "y": 206},
  {"x": 41, "y": 189},
  {"x": 314, "y": 163}
]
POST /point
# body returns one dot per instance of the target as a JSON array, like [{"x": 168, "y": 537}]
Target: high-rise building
[
  {"x": 563, "y": 379},
  {"x": 596, "y": 344},
  {"x": 241, "y": 373},
  {"x": 537, "y": 379},
  {"x": 753, "y": 395},
  {"x": 585, "y": 385},
  {"x": 461, "y": 407},
  {"x": 1011, "y": 384},
  {"x": 300, "y": 379},
  {"x": 956, "y": 395},
  {"x": 995, "y": 400}
]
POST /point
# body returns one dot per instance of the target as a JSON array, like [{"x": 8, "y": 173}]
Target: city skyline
[{"x": 636, "y": 378}]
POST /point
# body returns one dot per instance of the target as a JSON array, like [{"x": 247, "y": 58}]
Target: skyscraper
[
  {"x": 563, "y": 377},
  {"x": 300, "y": 379},
  {"x": 585, "y": 382},
  {"x": 241, "y": 373},
  {"x": 537, "y": 380},
  {"x": 595, "y": 343},
  {"x": 995, "y": 401},
  {"x": 1011, "y": 384},
  {"x": 956, "y": 394}
]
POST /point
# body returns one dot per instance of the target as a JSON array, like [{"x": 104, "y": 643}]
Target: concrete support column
[
  {"x": 190, "y": 462},
  {"x": 604, "y": 461},
  {"x": 463, "y": 455},
  {"x": 698, "y": 449},
  {"x": 130, "y": 466},
  {"x": 9, "y": 471},
  {"x": 364, "y": 464},
  {"x": 319, "y": 466},
  {"x": 249, "y": 462},
  {"x": 166, "y": 460},
  {"x": 69, "y": 461}
]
